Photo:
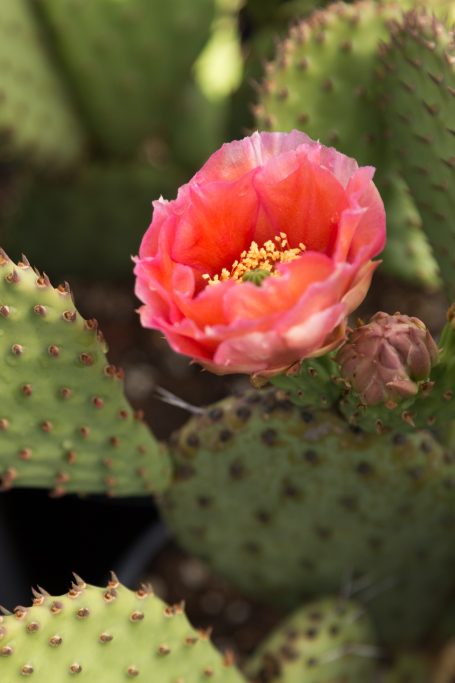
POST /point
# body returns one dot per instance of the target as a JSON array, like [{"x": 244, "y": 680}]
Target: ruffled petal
[
  {"x": 217, "y": 226},
  {"x": 235, "y": 159},
  {"x": 301, "y": 199}
]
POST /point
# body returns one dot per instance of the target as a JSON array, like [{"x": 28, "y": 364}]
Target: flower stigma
[{"x": 257, "y": 263}]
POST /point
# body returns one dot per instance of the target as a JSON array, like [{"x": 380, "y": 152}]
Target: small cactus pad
[
  {"x": 289, "y": 502},
  {"x": 326, "y": 641},
  {"x": 323, "y": 82},
  {"x": 419, "y": 98},
  {"x": 314, "y": 382},
  {"x": 64, "y": 421},
  {"x": 110, "y": 634},
  {"x": 127, "y": 61},
  {"x": 37, "y": 123}
]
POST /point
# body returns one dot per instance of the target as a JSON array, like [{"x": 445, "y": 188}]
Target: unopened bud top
[{"x": 384, "y": 359}]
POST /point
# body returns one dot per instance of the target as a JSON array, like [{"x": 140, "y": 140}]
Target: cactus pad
[
  {"x": 323, "y": 81},
  {"x": 64, "y": 422},
  {"x": 111, "y": 634},
  {"x": 326, "y": 641},
  {"x": 314, "y": 382},
  {"x": 37, "y": 123},
  {"x": 288, "y": 502},
  {"x": 419, "y": 80},
  {"x": 127, "y": 61}
]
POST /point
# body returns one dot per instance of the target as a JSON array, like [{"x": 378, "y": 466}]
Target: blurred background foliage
[{"x": 105, "y": 105}]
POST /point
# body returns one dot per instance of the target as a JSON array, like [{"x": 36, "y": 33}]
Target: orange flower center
[{"x": 261, "y": 260}]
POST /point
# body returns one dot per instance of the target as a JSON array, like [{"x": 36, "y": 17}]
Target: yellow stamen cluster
[{"x": 259, "y": 258}]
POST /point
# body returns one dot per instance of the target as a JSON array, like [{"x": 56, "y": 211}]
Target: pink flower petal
[
  {"x": 218, "y": 224},
  {"x": 235, "y": 159},
  {"x": 302, "y": 199}
]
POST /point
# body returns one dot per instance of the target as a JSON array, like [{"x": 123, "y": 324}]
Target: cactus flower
[
  {"x": 384, "y": 359},
  {"x": 263, "y": 254}
]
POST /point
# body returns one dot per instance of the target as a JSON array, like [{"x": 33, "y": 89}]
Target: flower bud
[{"x": 384, "y": 359}]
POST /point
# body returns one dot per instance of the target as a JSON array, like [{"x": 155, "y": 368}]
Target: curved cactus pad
[
  {"x": 95, "y": 635},
  {"x": 323, "y": 81},
  {"x": 64, "y": 421},
  {"x": 288, "y": 502},
  {"x": 37, "y": 122},
  {"x": 126, "y": 61},
  {"x": 326, "y": 641},
  {"x": 419, "y": 82}
]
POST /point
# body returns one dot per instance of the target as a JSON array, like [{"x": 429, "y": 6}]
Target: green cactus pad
[
  {"x": 326, "y": 641},
  {"x": 323, "y": 81},
  {"x": 37, "y": 122},
  {"x": 407, "y": 254},
  {"x": 127, "y": 61},
  {"x": 419, "y": 85},
  {"x": 314, "y": 382},
  {"x": 110, "y": 634},
  {"x": 64, "y": 421},
  {"x": 104, "y": 210},
  {"x": 289, "y": 502}
]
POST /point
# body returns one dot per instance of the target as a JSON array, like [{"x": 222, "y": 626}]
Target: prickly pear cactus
[
  {"x": 127, "y": 61},
  {"x": 289, "y": 501},
  {"x": 323, "y": 60},
  {"x": 107, "y": 634},
  {"x": 64, "y": 421},
  {"x": 419, "y": 85},
  {"x": 326, "y": 641},
  {"x": 37, "y": 121},
  {"x": 323, "y": 81}
]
